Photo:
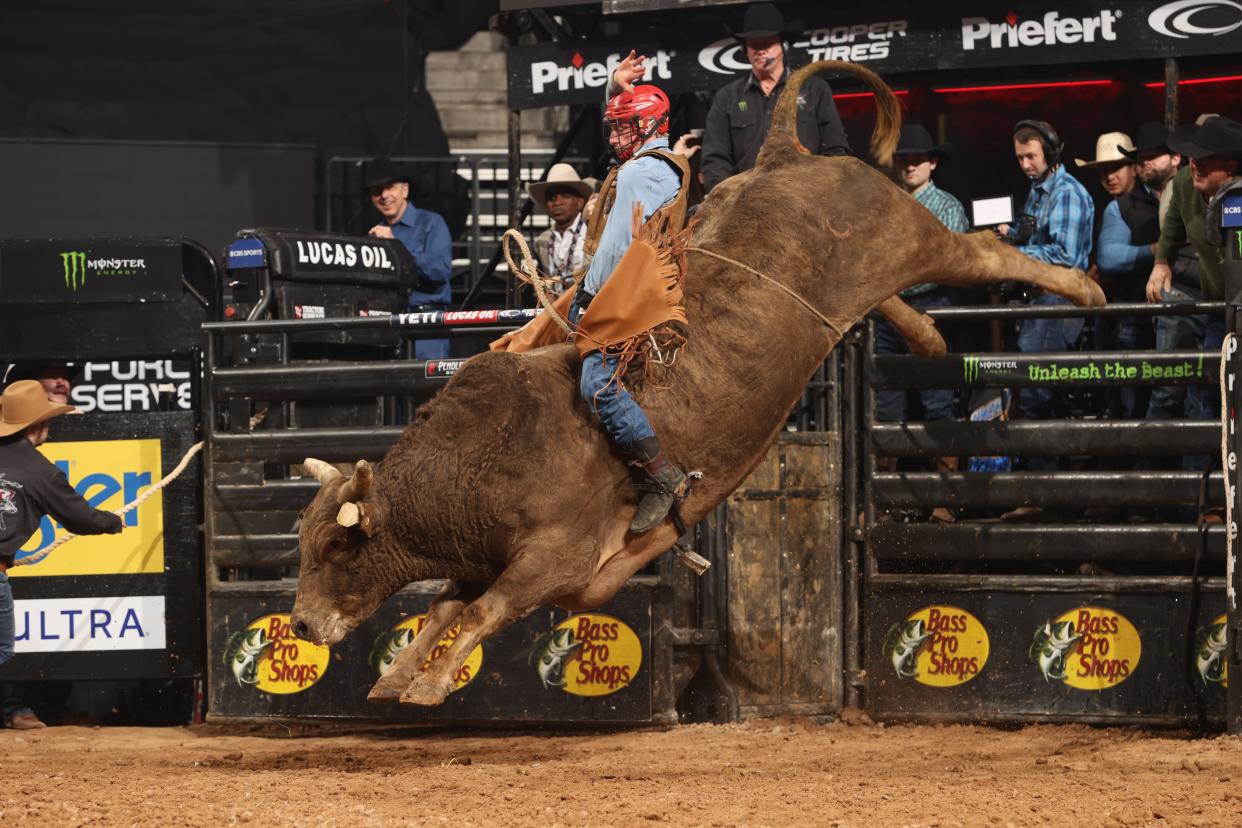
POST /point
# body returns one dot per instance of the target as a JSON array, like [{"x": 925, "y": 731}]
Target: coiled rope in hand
[
  {"x": 529, "y": 273},
  {"x": 30, "y": 560}
]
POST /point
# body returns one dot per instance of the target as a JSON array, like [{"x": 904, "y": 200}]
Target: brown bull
[{"x": 505, "y": 486}]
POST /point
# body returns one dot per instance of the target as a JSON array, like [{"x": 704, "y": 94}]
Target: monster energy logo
[
  {"x": 741, "y": 105},
  {"x": 970, "y": 368},
  {"x": 74, "y": 263}
]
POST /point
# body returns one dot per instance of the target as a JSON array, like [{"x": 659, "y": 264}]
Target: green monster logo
[
  {"x": 74, "y": 263},
  {"x": 970, "y": 368}
]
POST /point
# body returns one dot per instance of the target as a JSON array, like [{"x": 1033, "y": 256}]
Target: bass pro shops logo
[
  {"x": 1187, "y": 18},
  {"x": 939, "y": 646},
  {"x": 581, "y": 74},
  {"x": 75, "y": 264},
  {"x": 1051, "y": 30}
]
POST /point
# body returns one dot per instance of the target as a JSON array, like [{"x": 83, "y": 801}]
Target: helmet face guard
[{"x": 626, "y": 114}]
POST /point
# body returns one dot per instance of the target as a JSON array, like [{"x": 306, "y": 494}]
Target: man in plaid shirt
[{"x": 1063, "y": 216}]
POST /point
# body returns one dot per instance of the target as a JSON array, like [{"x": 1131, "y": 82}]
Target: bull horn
[
  {"x": 359, "y": 484},
  {"x": 324, "y": 472},
  {"x": 355, "y": 514}
]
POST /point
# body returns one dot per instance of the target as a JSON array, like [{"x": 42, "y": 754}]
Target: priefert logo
[
  {"x": 1050, "y": 31},
  {"x": 581, "y": 75}
]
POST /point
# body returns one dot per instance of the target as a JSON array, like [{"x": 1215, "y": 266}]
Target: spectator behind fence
[
  {"x": 917, "y": 158},
  {"x": 1214, "y": 149},
  {"x": 741, "y": 111},
  {"x": 30, "y": 487},
  {"x": 1125, "y": 252},
  {"x": 559, "y": 248},
  {"x": 1055, "y": 228},
  {"x": 424, "y": 234}
]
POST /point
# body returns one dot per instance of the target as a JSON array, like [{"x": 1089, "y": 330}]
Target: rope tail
[{"x": 888, "y": 108}]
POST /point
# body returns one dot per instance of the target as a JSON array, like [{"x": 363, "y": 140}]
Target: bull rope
[
  {"x": 836, "y": 330},
  {"x": 30, "y": 560},
  {"x": 529, "y": 273}
]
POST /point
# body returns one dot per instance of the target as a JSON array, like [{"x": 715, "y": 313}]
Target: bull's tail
[{"x": 888, "y": 109}]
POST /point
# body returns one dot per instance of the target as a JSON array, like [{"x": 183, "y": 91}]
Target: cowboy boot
[{"x": 665, "y": 483}]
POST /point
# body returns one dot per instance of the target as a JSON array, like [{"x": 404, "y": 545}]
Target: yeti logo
[
  {"x": 74, "y": 264},
  {"x": 8, "y": 498}
]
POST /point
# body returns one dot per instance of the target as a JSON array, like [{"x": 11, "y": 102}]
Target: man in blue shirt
[
  {"x": 1059, "y": 216},
  {"x": 425, "y": 235},
  {"x": 638, "y": 122}
]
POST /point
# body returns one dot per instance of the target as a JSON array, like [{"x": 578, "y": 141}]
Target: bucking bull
[{"x": 505, "y": 486}]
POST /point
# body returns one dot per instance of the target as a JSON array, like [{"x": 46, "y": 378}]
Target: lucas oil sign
[
  {"x": 587, "y": 655},
  {"x": 267, "y": 656},
  {"x": 109, "y": 474},
  {"x": 1088, "y": 648},
  {"x": 940, "y": 646},
  {"x": 388, "y": 646}
]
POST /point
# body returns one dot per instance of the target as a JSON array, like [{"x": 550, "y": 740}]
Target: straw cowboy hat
[
  {"x": 560, "y": 175},
  {"x": 24, "y": 404},
  {"x": 1110, "y": 150}
]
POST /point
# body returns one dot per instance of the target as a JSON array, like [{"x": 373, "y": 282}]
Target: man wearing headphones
[
  {"x": 741, "y": 111},
  {"x": 1055, "y": 228}
]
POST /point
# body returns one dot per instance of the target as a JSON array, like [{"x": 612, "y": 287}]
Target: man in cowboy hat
[
  {"x": 741, "y": 111},
  {"x": 917, "y": 157},
  {"x": 1125, "y": 248},
  {"x": 1215, "y": 150},
  {"x": 425, "y": 234},
  {"x": 559, "y": 248},
  {"x": 30, "y": 487}
]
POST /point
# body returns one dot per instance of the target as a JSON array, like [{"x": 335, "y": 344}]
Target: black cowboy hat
[
  {"x": 34, "y": 370},
  {"x": 916, "y": 140},
  {"x": 1219, "y": 137},
  {"x": 1152, "y": 135},
  {"x": 764, "y": 20},
  {"x": 381, "y": 172}
]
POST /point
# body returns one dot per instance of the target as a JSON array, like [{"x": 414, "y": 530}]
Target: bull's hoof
[
  {"x": 424, "y": 693},
  {"x": 386, "y": 690}
]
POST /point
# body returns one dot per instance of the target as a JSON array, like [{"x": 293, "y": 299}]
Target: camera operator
[{"x": 1055, "y": 228}]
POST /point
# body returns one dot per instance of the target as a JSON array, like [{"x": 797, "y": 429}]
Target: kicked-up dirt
[{"x": 754, "y": 774}]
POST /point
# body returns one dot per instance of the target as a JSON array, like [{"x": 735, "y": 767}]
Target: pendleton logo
[
  {"x": 973, "y": 366},
  {"x": 74, "y": 263}
]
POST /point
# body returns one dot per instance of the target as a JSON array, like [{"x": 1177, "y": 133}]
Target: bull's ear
[
  {"x": 356, "y": 514},
  {"x": 357, "y": 487},
  {"x": 324, "y": 472}
]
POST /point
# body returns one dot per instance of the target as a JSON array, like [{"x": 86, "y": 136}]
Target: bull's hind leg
[
  {"x": 979, "y": 259},
  {"x": 917, "y": 329},
  {"x": 441, "y": 615}
]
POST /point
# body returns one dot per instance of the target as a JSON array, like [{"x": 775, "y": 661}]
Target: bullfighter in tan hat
[{"x": 30, "y": 486}]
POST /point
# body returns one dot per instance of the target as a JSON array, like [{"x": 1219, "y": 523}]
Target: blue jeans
[
  {"x": 431, "y": 349},
  {"x": 7, "y": 631},
  {"x": 1127, "y": 333},
  {"x": 1045, "y": 336},
  {"x": 891, "y": 405},
  {"x": 610, "y": 402},
  {"x": 1177, "y": 333}
]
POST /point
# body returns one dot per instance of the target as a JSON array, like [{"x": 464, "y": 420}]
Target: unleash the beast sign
[{"x": 891, "y": 38}]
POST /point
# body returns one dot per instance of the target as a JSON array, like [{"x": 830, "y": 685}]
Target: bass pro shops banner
[{"x": 893, "y": 39}]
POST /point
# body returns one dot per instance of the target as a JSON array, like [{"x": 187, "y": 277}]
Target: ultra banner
[{"x": 892, "y": 39}]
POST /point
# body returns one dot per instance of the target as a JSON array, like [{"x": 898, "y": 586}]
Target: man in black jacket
[
  {"x": 741, "y": 111},
  {"x": 30, "y": 487}
]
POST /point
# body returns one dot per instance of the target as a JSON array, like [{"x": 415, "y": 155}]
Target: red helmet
[{"x": 627, "y": 116}]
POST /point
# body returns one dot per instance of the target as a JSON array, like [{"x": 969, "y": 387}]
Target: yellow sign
[
  {"x": 1090, "y": 648},
  {"x": 1210, "y": 658},
  {"x": 268, "y": 656},
  {"x": 940, "y": 646},
  {"x": 588, "y": 655},
  {"x": 109, "y": 474},
  {"x": 390, "y": 644}
]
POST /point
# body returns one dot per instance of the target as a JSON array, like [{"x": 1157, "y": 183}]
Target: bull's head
[{"x": 347, "y": 568}]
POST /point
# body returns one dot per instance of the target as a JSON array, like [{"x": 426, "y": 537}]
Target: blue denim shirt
[
  {"x": 1064, "y": 217},
  {"x": 649, "y": 180},
  {"x": 426, "y": 236}
]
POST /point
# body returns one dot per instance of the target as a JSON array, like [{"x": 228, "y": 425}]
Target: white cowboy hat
[
  {"x": 1109, "y": 149},
  {"x": 24, "y": 404},
  {"x": 561, "y": 175}
]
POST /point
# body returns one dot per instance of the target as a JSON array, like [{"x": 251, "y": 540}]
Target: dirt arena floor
[{"x": 755, "y": 774}]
